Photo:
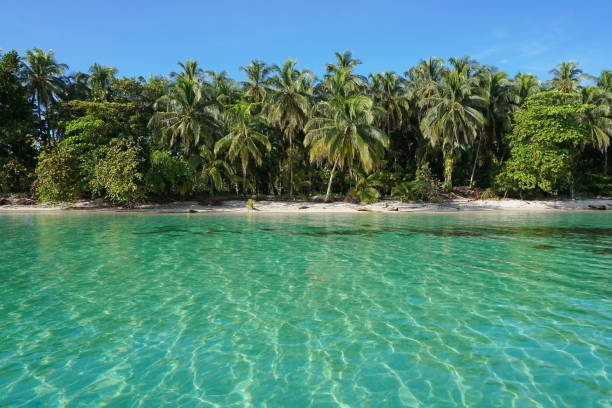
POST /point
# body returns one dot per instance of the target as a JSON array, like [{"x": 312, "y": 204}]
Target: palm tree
[
  {"x": 567, "y": 77},
  {"x": 186, "y": 116},
  {"x": 343, "y": 131},
  {"x": 423, "y": 81},
  {"x": 388, "y": 92},
  {"x": 524, "y": 85},
  {"x": 598, "y": 120},
  {"x": 215, "y": 171},
  {"x": 44, "y": 79},
  {"x": 191, "y": 71},
  {"x": 288, "y": 104},
  {"x": 605, "y": 81},
  {"x": 452, "y": 118},
  {"x": 494, "y": 88},
  {"x": 340, "y": 79},
  {"x": 255, "y": 87},
  {"x": 465, "y": 65},
  {"x": 100, "y": 79},
  {"x": 243, "y": 137},
  {"x": 224, "y": 89}
]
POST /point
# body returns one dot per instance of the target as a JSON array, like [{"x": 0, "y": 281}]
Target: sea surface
[{"x": 480, "y": 309}]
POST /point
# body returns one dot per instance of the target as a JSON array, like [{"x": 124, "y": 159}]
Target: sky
[{"x": 141, "y": 37}]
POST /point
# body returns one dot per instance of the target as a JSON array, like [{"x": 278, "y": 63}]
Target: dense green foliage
[{"x": 281, "y": 131}]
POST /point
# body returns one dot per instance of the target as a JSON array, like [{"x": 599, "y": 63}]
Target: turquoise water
[{"x": 473, "y": 309}]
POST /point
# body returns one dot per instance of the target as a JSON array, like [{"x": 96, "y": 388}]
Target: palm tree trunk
[
  {"x": 605, "y": 161},
  {"x": 40, "y": 122},
  {"x": 290, "y": 165},
  {"x": 448, "y": 170},
  {"x": 475, "y": 161},
  {"x": 331, "y": 178},
  {"x": 244, "y": 178}
]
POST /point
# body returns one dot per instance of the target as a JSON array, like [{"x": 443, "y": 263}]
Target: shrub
[
  {"x": 168, "y": 174},
  {"x": 424, "y": 187},
  {"x": 57, "y": 175},
  {"x": 117, "y": 175},
  {"x": 14, "y": 176}
]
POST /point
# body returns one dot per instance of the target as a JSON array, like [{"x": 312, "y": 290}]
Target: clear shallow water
[{"x": 474, "y": 309}]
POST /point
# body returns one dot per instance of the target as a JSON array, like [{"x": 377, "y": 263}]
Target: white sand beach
[{"x": 303, "y": 207}]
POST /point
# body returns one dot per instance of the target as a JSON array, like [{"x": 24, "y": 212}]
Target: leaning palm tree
[
  {"x": 243, "y": 137},
  {"x": 185, "y": 117},
  {"x": 44, "y": 79},
  {"x": 452, "y": 118},
  {"x": 288, "y": 104},
  {"x": 100, "y": 79},
  {"x": 523, "y": 86},
  {"x": 567, "y": 77},
  {"x": 255, "y": 87},
  {"x": 342, "y": 131}
]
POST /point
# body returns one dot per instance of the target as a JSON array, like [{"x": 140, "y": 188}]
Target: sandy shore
[{"x": 301, "y": 207}]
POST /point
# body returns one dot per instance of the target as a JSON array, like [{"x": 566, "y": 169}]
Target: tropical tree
[
  {"x": 255, "y": 87},
  {"x": 342, "y": 131},
  {"x": 186, "y": 117},
  {"x": 100, "y": 79},
  {"x": 523, "y": 86},
  {"x": 44, "y": 77},
  {"x": 388, "y": 92},
  {"x": 598, "y": 119},
  {"x": 191, "y": 71},
  {"x": 495, "y": 89},
  {"x": 452, "y": 118},
  {"x": 244, "y": 137},
  {"x": 288, "y": 104},
  {"x": 567, "y": 77}
]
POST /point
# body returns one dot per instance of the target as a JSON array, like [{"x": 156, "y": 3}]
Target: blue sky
[{"x": 149, "y": 37}]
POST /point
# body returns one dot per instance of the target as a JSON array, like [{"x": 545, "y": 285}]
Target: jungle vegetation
[{"x": 283, "y": 132}]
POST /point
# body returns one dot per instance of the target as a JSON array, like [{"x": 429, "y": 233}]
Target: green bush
[
  {"x": 14, "y": 176},
  {"x": 366, "y": 189},
  {"x": 57, "y": 175},
  {"x": 117, "y": 176},
  {"x": 168, "y": 174},
  {"x": 424, "y": 187}
]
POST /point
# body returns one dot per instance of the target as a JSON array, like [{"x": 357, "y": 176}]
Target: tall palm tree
[
  {"x": 288, "y": 104},
  {"x": 190, "y": 71},
  {"x": 44, "y": 79},
  {"x": 224, "y": 89},
  {"x": 465, "y": 65},
  {"x": 423, "y": 81},
  {"x": 452, "y": 118},
  {"x": 598, "y": 120},
  {"x": 100, "y": 79},
  {"x": 567, "y": 77},
  {"x": 495, "y": 89},
  {"x": 342, "y": 131},
  {"x": 243, "y": 137},
  {"x": 605, "y": 81},
  {"x": 524, "y": 85},
  {"x": 388, "y": 92},
  {"x": 255, "y": 87},
  {"x": 186, "y": 116}
]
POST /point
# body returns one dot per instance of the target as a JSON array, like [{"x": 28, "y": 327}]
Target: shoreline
[{"x": 304, "y": 207}]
